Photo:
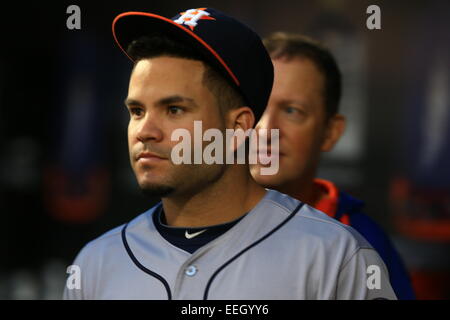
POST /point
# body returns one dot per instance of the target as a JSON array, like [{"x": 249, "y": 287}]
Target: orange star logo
[{"x": 191, "y": 16}]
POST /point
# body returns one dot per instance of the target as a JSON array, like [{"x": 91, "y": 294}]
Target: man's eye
[
  {"x": 294, "y": 113},
  {"x": 136, "y": 111},
  {"x": 175, "y": 110},
  {"x": 291, "y": 110}
]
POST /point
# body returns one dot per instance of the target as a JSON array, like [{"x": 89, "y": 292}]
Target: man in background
[{"x": 304, "y": 106}]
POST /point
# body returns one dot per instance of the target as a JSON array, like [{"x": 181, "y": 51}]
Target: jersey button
[{"x": 191, "y": 271}]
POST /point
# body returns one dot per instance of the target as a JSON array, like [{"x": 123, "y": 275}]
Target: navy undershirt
[{"x": 177, "y": 235}]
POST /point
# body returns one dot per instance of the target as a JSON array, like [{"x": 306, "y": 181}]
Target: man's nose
[
  {"x": 268, "y": 121},
  {"x": 149, "y": 128}
]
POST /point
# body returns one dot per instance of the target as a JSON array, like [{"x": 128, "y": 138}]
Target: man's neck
[
  {"x": 232, "y": 196},
  {"x": 304, "y": 190}
]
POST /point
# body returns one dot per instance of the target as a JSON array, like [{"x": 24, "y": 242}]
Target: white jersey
[{"x": 282, "y": 249}]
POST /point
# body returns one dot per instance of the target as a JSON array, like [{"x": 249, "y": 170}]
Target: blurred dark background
[{"x": 64, "y": 173}]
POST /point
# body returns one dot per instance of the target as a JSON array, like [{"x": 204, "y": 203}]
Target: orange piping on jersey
[
  {"x": 345, "y": 219},
  {"x": 328, "y": 203}
]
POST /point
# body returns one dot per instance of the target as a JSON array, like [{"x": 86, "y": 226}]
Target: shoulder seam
[
  {"x": 338, "y": 224},
  {"x": 284, "y": 208}
]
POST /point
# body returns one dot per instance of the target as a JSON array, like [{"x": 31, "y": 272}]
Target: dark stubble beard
[
  {"x": 207, "y": 179},
  {"x": 157, "y": 191}
]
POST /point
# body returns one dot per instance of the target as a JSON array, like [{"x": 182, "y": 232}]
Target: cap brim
[{"x": 129, "y": 26}]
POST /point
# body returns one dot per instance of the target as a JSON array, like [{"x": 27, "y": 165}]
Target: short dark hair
[
  {"x": 289, "y": 45},
  {"x": 157, "y": 45}
]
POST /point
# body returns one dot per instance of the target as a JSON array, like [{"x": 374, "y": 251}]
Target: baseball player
[
  {"x": 304, "y": 105},
  {"x": 216, "y": 234}
]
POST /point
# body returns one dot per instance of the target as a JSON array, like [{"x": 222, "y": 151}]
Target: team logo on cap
[{"x": 191, "y": 16}]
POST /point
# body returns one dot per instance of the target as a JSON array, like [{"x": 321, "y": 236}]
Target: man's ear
[
  {"x": 241, "y": 118},
  {"x": 335, "y": 129}
]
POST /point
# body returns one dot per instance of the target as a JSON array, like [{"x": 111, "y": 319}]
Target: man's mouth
[{"x": 149, "y": 157}]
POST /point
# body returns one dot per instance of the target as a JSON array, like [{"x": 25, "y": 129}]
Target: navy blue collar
[{"x": 189, "y": 239}]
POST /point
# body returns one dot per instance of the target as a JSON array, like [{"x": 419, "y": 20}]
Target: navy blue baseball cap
[{"x": 227, "y": 44}]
